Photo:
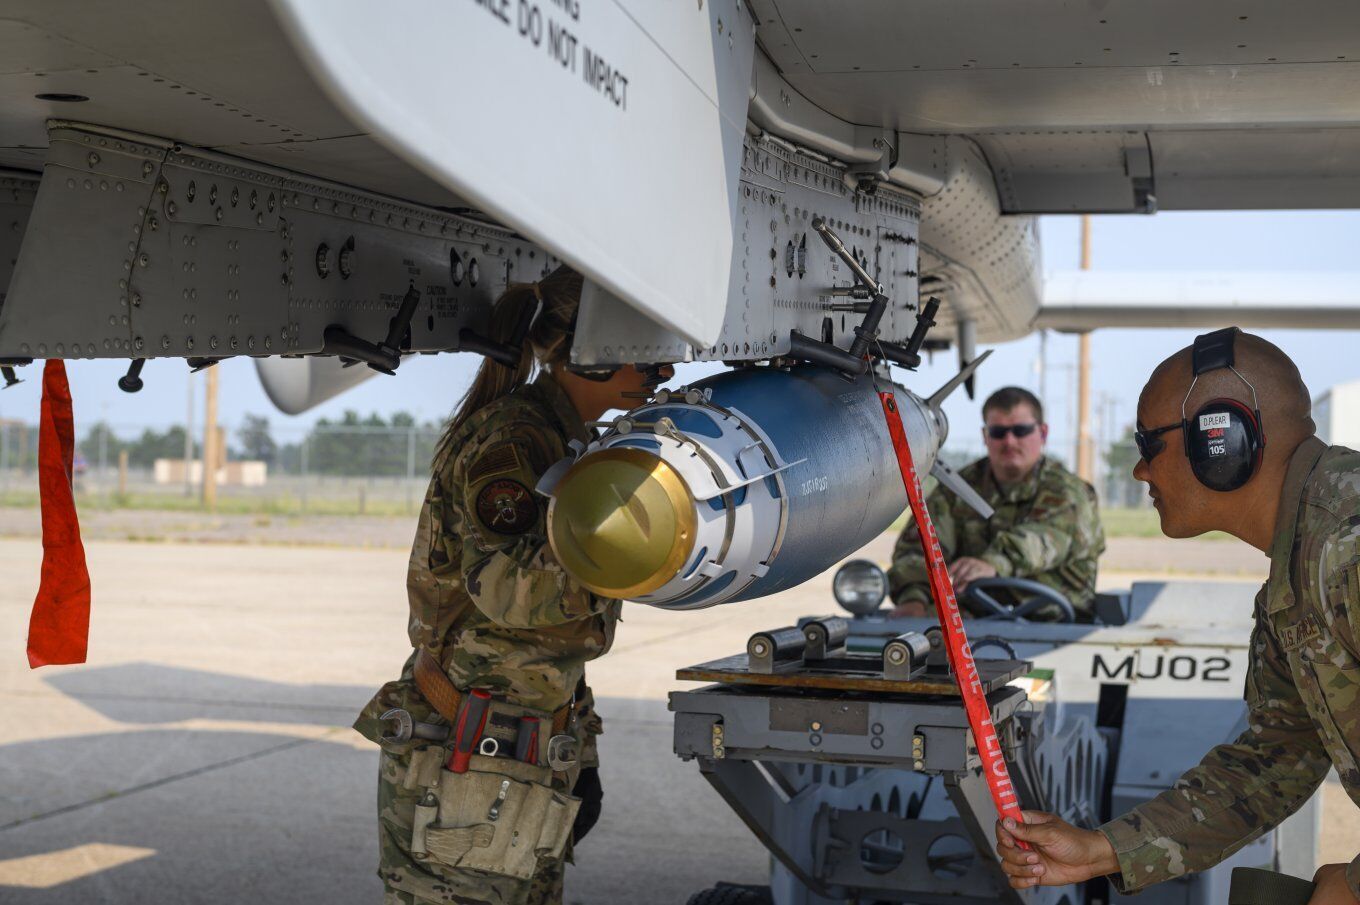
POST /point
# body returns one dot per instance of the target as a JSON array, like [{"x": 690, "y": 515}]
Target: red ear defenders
[{"x": 1224, "y": 438}]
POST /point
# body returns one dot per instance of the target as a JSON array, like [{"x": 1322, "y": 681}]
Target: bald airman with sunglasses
[
  {"x": 1226, "y": 434},
  {"x": 1045, "y": 527}
]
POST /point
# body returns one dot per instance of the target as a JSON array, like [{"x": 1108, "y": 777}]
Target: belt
[{"x": 447, "y": 700}]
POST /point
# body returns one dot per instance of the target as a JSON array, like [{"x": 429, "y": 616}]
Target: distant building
[
  {"x": 238, "y": 474},
  {"x": 1337, "y": 413}
]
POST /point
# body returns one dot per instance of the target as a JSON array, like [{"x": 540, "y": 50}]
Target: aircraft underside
[{"x": 232, "y": 188}]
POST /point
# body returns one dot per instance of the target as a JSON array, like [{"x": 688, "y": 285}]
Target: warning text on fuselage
[{"x": 551, "y": 25}]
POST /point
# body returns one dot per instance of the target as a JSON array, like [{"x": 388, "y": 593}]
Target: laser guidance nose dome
[{"x": 621, "y": 522}]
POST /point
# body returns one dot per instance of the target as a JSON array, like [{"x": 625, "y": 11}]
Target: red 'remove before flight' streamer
[
  {"x": 951, "y": 622},
  {"x": 59, "y": 627}
]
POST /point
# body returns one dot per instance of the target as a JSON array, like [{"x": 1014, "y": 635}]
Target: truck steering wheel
[{"x": 1035, "y": 596}]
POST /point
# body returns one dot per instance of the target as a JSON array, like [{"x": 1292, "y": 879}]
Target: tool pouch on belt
[{"x": 502, "y": 816}]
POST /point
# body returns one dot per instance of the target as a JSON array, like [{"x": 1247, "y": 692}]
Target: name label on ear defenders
[{"x": 1213, "y": 420}]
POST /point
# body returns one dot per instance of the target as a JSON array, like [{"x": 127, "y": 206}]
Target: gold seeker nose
[{"x": 622, "y": 522}]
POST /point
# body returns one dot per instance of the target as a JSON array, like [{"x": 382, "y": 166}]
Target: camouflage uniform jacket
[
  {"x": 1046, "y": 528},
  {"x": 486, "y": 595},
  {"x": 1302, "y": 692}
]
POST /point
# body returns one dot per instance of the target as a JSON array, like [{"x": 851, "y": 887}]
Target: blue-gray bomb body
[{"x": 788, "y": 471}]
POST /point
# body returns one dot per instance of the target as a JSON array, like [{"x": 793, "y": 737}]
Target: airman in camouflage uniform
[
  {"x": 1046, "y": 526},
  {"x": 492, "y": 607},
  {"x": 1302, "y": 507},
  {"x": 1303, "y": 690},
  {"x": 488, "y": 600}
]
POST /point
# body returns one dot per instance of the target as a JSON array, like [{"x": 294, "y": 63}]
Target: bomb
[{"x": 741, "y": 485}]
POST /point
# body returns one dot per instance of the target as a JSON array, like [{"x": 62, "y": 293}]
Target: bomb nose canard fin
[
  {"x": 941, "y": 471},
  {"x": 953, "y": 383},
  {"x": 961, "y": 488}
]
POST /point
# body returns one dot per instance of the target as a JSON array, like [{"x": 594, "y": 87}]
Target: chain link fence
[
  {"x": 332, "y": 469},
  {"x": 1116, "y": 486},
  {"x": 363, "y": 466}
]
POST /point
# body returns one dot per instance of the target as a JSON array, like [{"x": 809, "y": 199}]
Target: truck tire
[{"x": 732, "y": 894}]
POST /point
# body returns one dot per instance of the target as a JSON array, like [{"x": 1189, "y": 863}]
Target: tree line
[
  {"x": 371, "y": 445},
  {"x": 351, "y": 445}
]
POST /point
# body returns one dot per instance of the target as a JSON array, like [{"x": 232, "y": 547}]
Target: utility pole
[
  {"x": 210, "y": 463},
  {"x": 1085, "y": 471},
  {"x": 1043, "y": 366}
]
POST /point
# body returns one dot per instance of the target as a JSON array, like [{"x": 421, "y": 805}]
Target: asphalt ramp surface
[{"x": 204, "y": 755}]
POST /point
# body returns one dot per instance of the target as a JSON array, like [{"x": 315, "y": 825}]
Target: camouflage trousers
[
  {"x": 547, "y": 892},
  {"x": 412, "y": 880}
]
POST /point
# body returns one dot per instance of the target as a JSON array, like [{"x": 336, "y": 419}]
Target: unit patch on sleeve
[{"x": 506, "y": 507}]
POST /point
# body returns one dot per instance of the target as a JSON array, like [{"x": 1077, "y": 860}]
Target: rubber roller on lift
[
  {"x": 824, "y": 636},
  {"x": 766, "y": 650},
  {"x": 904, "y": 657}
]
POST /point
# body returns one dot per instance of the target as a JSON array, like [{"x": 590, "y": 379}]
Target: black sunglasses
[
  {"x": 999, "y": 431},
  {"x": 1150, "y": 442}
]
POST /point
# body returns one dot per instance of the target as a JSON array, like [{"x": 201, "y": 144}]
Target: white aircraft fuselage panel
[{"x": 582, "y": 106}]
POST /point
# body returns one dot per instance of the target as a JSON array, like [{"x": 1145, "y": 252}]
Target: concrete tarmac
[{"x": 203, "y": 753}]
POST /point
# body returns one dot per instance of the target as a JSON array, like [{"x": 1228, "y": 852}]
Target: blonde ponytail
[{"x": 548, "y": 342}]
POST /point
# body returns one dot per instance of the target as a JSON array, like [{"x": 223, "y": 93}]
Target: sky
[{"x": 1243, "y": 242}]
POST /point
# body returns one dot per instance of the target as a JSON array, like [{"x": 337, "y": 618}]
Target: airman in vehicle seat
[{"x": 1046, "y": 526}]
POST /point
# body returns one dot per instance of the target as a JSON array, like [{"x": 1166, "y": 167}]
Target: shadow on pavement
[
  {"x": 228, "y": 817},
  {"x": 164, "y": 813},
  {"x": 150, "y": 693}
]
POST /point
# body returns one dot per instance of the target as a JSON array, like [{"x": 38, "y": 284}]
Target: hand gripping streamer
[{"x": 951, "y": 623}]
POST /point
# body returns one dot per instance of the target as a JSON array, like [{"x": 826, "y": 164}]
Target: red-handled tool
[
  {"x": 951, "y": 623},
  {"x": 526, "y": 742},
  {"x": 471, "y": 723}
]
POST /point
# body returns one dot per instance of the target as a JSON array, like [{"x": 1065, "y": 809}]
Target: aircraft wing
[
  {"x": 1085, "y": 300},
  {"x": 584, "y": 124},
  {"x": 1099, "y": 107}
]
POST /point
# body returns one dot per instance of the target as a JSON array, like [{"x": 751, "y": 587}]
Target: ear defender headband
[{"x": 1223, "y": 439}]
